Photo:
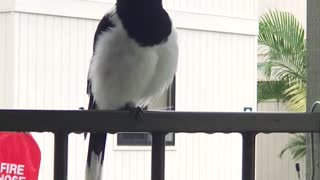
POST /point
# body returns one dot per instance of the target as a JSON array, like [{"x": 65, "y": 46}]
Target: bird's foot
[{"x": 136, "y": 112}]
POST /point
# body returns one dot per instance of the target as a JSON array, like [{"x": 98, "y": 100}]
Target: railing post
[
  {"x": 158, "y": 156},
  {"x": 248, "y": 155},
  {"x": 60, "y": 155}
]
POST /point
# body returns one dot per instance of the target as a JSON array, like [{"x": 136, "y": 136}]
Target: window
[
  {"x": 166, "y": 101},
  {"x": 141, "y": 139}
]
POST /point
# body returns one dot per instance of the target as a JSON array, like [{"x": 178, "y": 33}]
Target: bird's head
[{"x": 140, "y": 4}]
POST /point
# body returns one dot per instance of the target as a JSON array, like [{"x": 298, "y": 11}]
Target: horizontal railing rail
[
  {"x": 166, "y": 121},
  {"x": 61, "y": 123}
]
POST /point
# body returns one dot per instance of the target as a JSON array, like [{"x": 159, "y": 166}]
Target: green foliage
[
  {"x": 296, "y": 146},
  {"x": 271, "y": 90},
  {"x": 282, "y": 39}
]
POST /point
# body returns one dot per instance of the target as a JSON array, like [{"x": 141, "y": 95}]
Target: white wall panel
[
  {"x": 193, "y": 17},
  {"x": 238, "y": 8},
  {"x": 269, "y": 164},
  {"x": 268, "y": 146},
  {"x": 6, "y": 5},
  {"x": 203, "y": 156},
  {"x": 54, "y": 53},
  {"x": 217, "y": 71},
  {"x": 6, "y": 59}
]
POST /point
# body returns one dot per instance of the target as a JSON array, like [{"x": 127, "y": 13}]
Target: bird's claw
[{"x": 136, "y": 112}]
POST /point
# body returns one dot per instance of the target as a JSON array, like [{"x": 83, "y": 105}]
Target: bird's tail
[{"x": 95, "y": 157}]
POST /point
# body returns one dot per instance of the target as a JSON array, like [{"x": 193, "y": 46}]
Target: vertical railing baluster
[
  {"x": 248, "y": 155},
  {"x": 158, "y": 156},
  {"x": 60, "y": 155}
]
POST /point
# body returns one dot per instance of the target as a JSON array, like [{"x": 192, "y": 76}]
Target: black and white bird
[{"x": 134, "y": 60}]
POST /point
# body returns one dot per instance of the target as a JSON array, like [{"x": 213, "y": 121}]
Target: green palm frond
[
  {"x": 270, "y": 90},
  {"x": 282, "y": 38},
  {"x": 296, "y": 146},
  {"x": 296, "y": 97}
]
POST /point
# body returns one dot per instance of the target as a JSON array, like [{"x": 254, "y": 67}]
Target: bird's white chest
[{"x": 122, "y": 72}]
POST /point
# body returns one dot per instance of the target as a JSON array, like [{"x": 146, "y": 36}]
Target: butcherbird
[{"x": 135, "y": 55}]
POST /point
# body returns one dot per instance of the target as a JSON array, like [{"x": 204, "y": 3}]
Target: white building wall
[
  {"x": 270, "y": 165},
  {"x": 53, "y": 57},
  {"x": 243, "y": 8},
  {"x": 6, "y": 59},
  {"x": 53, "y": 46},
  {"x": 217, "y": 72},
  {"x": 213, "y": 67}
]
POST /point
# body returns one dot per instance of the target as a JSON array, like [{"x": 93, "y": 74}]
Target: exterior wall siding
[
  {"x": 243, "y": 8},
  {"x": 52, "y": 54},
  {"x": 6, "y": 59},
  {"x": 219, "y": 63},
  {"x": 268, "y": 147},
  {"x": 270, "y": 165}
]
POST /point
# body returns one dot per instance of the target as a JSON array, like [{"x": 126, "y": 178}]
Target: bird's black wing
[
  {"x": 104, "y": 25},
  {"x": 97, "y": 140}
]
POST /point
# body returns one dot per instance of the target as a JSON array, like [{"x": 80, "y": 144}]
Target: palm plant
[
  {"x": 282, "y": 41},
  {"x": 268, "y": 90},
  {"x": 296, "y": 146}
]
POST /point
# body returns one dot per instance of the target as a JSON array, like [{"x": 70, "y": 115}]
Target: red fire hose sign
[
  {"x": 19, "y": 157},
  {"x": 12, "y": 171}
]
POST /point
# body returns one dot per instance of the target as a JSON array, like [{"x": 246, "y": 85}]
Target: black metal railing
[{"x": 61, "y": 123}]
